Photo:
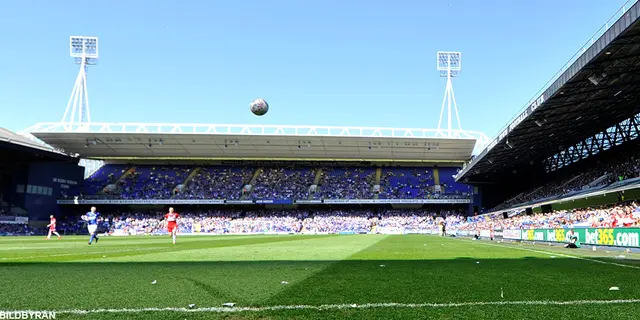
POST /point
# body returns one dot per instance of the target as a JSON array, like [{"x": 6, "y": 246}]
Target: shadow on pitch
[{"x": 317, "y": 282}]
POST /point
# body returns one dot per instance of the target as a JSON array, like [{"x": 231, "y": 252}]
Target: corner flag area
[{"x": 314, "y": 277}]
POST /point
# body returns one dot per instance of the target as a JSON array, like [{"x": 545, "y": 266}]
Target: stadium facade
[{"x": 32, "y": 178}]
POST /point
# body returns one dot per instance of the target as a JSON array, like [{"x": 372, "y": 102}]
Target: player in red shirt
[
  {"x": 172, "y": 223},
  {"x": 52, "y": 227}
]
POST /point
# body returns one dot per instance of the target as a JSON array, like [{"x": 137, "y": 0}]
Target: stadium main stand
[
  {"x": 116, "y": 181},
  {"x": 406, "y": 183}
]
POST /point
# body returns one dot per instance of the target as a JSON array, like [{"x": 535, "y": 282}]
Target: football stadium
[{"x": 133, "y": 220}]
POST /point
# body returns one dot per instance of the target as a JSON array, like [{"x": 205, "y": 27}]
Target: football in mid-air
[{"x": 259, "y": 107}]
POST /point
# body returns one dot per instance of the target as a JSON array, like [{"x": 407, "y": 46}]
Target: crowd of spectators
[
  {"x": 626, "y": 170},
  {"x": 339, "y": 221},
  {"x": 367, "y": 221},
  {"x": 216, "y": 183},
  {"x": 152, "y": 182},
  {"x": 234, "y": 221},
  {"x": 346, "y": 183},
  {"x": 597, "y": 176},
  {"x": 270, "y": 221},
  {"x": 414, "y": 220},
  {"x": 449, "y": 186},
  {"x": 562, "y": 186},
  {"x": 64, "y": 227},
  {"x": 280, "y": 183},
  {"x": 406, "y": 183},
  {"x": 622, "y": 215},
  {"x": 16, "y": 230},
  {"x": 104, "y": 176}
]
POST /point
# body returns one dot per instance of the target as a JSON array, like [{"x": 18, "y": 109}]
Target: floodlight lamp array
[
  {"x": 448, "y": 73},
  {"x": 449, "y": 60},
  {"x": 449, "y": 63},
  {"x": 83, "y": 47}
]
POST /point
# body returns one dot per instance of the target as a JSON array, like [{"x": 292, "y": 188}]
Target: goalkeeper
[{"x": 572, "y": 240}]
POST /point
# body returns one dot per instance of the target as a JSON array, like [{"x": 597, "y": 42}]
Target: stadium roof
[
  {"x": 597, "y": 89},
  {"x": 107, "y": 141},
  {"x": 9, "y": 136},
  {"x": 16, "y": 141}
]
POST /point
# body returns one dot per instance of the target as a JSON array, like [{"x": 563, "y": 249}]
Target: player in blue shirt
[{"x": 92, "y": 218}]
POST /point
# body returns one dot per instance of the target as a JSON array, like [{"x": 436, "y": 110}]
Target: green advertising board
[{"x": 619, "y": 237}]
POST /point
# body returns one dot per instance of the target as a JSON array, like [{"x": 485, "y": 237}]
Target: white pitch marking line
[
  {"x": 74, "y": 254},
  {"x": 345, "y": 306},
  {"x": 561, "y": 254}
]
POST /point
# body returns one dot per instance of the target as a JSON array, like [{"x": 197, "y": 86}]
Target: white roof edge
[{"x": 253, "y": 129}]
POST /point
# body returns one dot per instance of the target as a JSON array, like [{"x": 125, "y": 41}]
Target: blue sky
[{"x": 330, "y": 62}]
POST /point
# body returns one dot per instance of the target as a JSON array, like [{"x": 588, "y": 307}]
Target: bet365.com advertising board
[{"x": 620, "y": 237}]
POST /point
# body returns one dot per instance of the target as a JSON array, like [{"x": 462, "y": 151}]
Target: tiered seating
[
  {"x": 221, "y": 182},
  {"x": 217, "y": 183},
  {"x": 621, "y": 215},
  {"x": 104, "y": 176},
  {"x": 279, "y": 183},
  {"x": 406, "y": 183},
  {"x": 346, "y": 183},
  {"x": 611, "y": 171},
  {"x": 153, "y": 182},
  {"x": 449, "y": 184}
]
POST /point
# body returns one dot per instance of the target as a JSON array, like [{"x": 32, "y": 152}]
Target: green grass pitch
[{"x": 314, "y": 277}]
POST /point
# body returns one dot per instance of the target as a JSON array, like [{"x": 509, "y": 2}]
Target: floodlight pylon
[
  {"x": 449, "y": 64},
  {"x": 85, "y": 52}
]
